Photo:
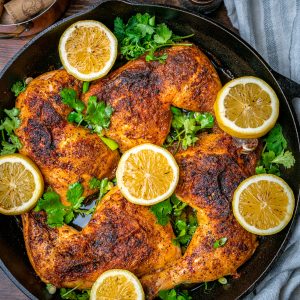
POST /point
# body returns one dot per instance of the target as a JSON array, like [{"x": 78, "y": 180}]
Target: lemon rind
[{"x": 256, "y": 178}]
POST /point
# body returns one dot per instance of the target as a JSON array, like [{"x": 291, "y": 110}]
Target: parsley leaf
[
  {"x": 162, "y": 211},
  {"x": 274, "y": 153},
  {"x": 73, "y": 294},
  {"x": 74, "y": 194},
  {"x": 85, "y": 86},
  {"x": 18, "y": 87},
  {"x": 55, "y": 210},
  {"x": 174, "y": 294},
  {"x": 186, "y": 125},
  {"x": 163, "y": 34},
  {"x": 220, "y": 242},
  {"x": 69, "y": 97},
  {"x": 96, "y": 117},
  {"x": 141, "y": 35},
  {"x": 182, "y": 217},
  {"x": 7, "y": 128},
  {"x": 103, "y": 186},
  {"x": 59, "y": 214}
]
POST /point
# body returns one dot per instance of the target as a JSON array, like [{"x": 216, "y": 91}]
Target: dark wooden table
[{"x": 8, "y": 48}]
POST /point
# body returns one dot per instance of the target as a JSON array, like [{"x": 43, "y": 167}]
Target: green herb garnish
[
  {"x": 185, "y": 227},
  {"x": 186, "y": 125},
  {"x": 141, "y": 35},
  {"x": 184, "y": 222},
  {"x": 274, "y": 153},
  {"x": 174, "y": 294},
  {"x": 18, "y": 87},
  {"x": 57, "y": 213},
  {"x": 162, "y": 211},
  {"x": 222, "y": 280},
  {"x": 220, "y": 242},
  {"x": 103, "y": 186},
  {"x": 85, "y": 86},
  {"x": 51, "y": 288},
  {"x": 96, "y": 117},
  {"x": 74, "y": 294},
  {"x": 9, "y": 141}
]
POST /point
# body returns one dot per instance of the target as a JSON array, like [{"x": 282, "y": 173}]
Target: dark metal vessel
[{"x": 232, "y": 58}]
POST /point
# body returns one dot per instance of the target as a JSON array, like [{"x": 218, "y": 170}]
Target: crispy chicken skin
[
  {"x": 141, "y": 93},
  {"x": 120, "y": 235},
  {"x": 209, "y": 173},
  {"x": 65, "y": 153}
]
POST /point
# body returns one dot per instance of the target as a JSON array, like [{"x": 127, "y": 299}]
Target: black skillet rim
[{"x": 239, "y": 40}]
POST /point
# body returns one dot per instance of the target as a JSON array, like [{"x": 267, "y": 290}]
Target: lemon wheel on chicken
[
  {"x": 263, "y": 204},
  {"x": 117, "y": 284},
  {"x": 147, "y": 174},
  {"x": 246, "y": 107},
  {"x": 21, "y": 184},
  {"x": 88, "y": 50}
]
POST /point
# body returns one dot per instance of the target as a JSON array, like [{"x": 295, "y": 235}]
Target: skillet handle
[
  {"x": 291, "y": 89},
  {"x": 195, "y": 6}
]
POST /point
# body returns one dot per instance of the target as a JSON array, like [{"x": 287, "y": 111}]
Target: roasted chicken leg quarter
[
  {"x": 64, "y": 152},
  {"x": 141, "y": 94},
  {"x": 209, "y": 174},
  {"x": 120, "y": 235}
]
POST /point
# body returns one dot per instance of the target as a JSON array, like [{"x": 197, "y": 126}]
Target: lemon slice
[
  {"x": 147, "y": 174},
  {"x": 246, "y": 107},
  {"x": 21, "y": 184},
  {"x": 263, "y": 204},
  {"x": 117, "y": 285},
  {"x": 88, "y": 50}
]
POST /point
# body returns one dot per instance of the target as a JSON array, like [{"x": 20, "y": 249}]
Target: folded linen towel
[{"x": 272, "y": 27}]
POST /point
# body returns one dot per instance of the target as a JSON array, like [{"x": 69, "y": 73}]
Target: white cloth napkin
[{"x": 272, "y": 27}]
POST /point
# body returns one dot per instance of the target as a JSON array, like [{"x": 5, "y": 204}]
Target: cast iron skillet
[{"x": 232, "y": 57}]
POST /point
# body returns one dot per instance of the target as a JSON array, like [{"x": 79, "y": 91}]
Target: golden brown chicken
[
  {"x": 120, "y": 235},
  {"x": 65, "y": 153},
  {"x": 141, "y": 93},
  {"x": 209, "y": 174}
]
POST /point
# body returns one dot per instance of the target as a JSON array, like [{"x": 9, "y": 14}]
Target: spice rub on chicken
[
  {"x": 64, "y": 152},
  {"x": 141, "y": 94}
]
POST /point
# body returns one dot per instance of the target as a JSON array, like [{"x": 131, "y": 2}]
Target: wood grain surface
[{"x": 9, "y": 47}]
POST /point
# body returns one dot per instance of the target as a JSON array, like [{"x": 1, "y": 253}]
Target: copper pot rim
[{"x": 41, "y": 13}]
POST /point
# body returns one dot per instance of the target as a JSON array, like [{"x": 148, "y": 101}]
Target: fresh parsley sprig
[
  {"x": 174, "y": 294},
  {"x": 57, "y": 213},
  {"x": 142, "y": 35},
  {"x": 185, "y": 126},
  {"x": 184, "y": 222},
  {"x": 104, "y": 186},
  {"x": 74, "y": 294},
  {"x": 96, "y": 116},
  {"x": 274, "y": 153},
  {"x": 9, "y": 141},
  {"x": 220, "y": 242},
  {"x": 18, "y": 87}
]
